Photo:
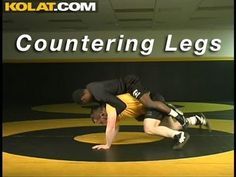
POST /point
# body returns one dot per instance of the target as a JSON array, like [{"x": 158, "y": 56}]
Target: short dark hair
[{"x": 77, "y": 94}]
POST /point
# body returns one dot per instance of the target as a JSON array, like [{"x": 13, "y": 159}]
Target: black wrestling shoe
[
  {"x": 202, "y": 121},
  {"x": 181, "y": 139},
  {"x": 180, "y": 117},
  {"x": 176, "y": 109},
  {"x": 182, "y": 120}
]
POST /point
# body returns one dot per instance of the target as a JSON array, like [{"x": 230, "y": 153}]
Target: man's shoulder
[{"x": 94, "y": 85}]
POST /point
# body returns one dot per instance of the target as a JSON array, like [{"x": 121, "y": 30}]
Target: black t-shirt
[{"x": 106, "y": 91}]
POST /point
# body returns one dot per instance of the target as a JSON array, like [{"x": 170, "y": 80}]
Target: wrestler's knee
[
  {"x": 148, "y": 130},
  {"x": 150, "y": 125}
]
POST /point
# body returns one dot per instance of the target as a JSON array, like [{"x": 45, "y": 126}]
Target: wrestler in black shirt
[{"x": 106, "y": 91}]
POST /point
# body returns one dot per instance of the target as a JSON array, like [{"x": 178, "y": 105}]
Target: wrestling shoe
[
  {"x": 180, "y": 117},
  {"x": 181, "y": 139},
  {"x": 202, "y": 121}
]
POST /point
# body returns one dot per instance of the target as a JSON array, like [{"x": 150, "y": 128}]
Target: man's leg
[
  {"x": 152, "y": 127},
  {"x": 136, "y": 89},
  {"x": 171, "y": 123},
  {"x": 196, "y": 120},
  {"x": 199, "y": 120},
  {"x": 146, "y": 100}
]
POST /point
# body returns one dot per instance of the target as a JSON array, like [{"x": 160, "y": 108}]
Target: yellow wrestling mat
[
  {"x": 16, "y": 165},
  {"x": 213, "y": 165}
]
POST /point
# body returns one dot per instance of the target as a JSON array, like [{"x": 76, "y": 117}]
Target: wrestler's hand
[{"x": 100, "y": 147}]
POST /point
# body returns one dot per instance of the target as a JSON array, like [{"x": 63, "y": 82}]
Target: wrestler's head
[
  {"x": 99, "y": 115},
  {"x": 82, "y": 96}
]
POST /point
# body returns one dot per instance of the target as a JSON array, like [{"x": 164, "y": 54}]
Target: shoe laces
[{"x": 201, "y": 120}]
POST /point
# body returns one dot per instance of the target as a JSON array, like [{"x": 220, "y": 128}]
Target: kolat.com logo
[{"x": 50, "y": 6}]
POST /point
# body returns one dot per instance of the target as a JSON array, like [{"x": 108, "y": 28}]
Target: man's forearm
[{"x": 111, "y": 134}]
